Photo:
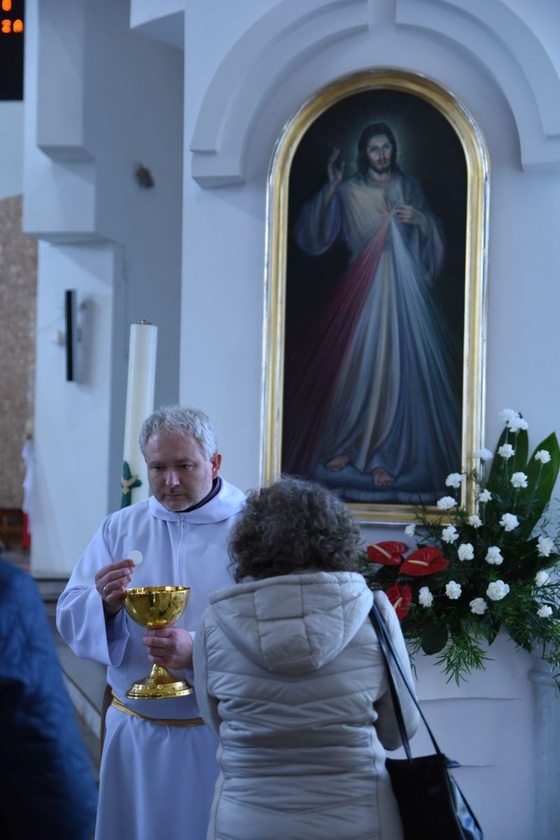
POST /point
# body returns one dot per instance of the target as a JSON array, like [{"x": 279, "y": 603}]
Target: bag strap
[{"x": 390, "y": 654}]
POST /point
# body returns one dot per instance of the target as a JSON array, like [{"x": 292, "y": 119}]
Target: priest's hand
[
  {"x": 169, "y": 646},
  {"x": 111, "y": 582}
]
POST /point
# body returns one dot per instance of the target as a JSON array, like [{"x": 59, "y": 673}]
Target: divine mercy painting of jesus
[{"x": 373, "y": 386}]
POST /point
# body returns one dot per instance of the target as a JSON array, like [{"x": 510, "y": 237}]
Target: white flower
[
  {"x": 425, "y": 597},
  {"x": 484, "y": 496},
  {"x": 545, "y": 546},
  {"x": 446, "y": 502},
  {"x": 410, "y": 530},
  {"x": 517, "y": 423},
  {"x": 484, "y": 454},
  {"x": 506, "y": 450},
  {"x": 494, "y": 556},
  {"x": 519, "y": 479},
  {"x": 478, "y": 606},
  {"x": 544, "y": 611},
  {"x": 508, "y": 414},
  {"x": 453, "y": 590},
  {"x": 450, "y": 534},
  {"x": 509, "y": 521},
  {"x": 466, "y": 551},
  {"x": 497, "y": 590},
  {"x": 454, "y": 480},
  {"x": 475, "y": 520},
  {"x": 543, "y": 455},
  {"x": 542, "y": 578}
]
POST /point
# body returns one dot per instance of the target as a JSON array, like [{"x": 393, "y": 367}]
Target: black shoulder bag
[{"x": 430, "y": 801}]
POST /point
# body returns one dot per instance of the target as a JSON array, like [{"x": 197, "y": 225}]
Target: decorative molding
[
  {"x": 286, "y": 37},
  {"x": 519, "y": 65},
  {"x": 169, "y": 27},
  {"x": 282, "y": 39}
]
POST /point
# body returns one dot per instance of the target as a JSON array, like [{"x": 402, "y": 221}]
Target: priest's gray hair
[
  {"x": 293, "y": 526},
  {"x": 180, "y": 420}
]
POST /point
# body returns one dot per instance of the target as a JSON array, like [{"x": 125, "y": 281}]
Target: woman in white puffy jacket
[{"x": 289, "y": 672}]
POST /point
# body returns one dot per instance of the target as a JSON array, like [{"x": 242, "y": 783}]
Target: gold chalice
[{"x": 151, "y": 607}]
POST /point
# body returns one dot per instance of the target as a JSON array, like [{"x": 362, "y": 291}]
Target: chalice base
[{"x": 158, "y": 685}]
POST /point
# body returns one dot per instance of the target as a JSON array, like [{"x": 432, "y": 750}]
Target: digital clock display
[{"x": 12, "y": 16}]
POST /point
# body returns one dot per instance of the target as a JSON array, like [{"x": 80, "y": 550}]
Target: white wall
[
  {"x": 70, "y": 477},
  {"x": 223, "y": 263},
  {"x": 11, "y": 149},
  {"x": 100, "y": 100}
]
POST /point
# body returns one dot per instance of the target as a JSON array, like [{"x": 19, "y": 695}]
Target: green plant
[{"x": 476, "y": 572}]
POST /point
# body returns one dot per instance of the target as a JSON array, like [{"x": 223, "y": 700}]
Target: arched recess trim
[
  {"x": 281, "y": 212},
  {"x": 514, "y": 57},
  {"x": 287, "y": 37},
  {"x": 282, "y": 39}
]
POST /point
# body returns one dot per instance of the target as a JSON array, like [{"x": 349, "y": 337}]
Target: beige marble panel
[{"x": 18, "y": 287}]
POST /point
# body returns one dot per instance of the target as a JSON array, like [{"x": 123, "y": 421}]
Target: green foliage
[{"x": 489, "y": 573}]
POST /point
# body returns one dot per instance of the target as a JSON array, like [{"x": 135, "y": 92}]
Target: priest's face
[{"x": 178, "y": 473}]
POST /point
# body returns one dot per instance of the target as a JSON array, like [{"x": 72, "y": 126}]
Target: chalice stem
[{"x": 159, "y": 675}]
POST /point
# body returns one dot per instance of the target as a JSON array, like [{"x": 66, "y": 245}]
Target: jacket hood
[{"x": 293, "y": 624}]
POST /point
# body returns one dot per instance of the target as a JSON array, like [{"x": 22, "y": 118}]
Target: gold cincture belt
[{"x": 116, "y": 703}]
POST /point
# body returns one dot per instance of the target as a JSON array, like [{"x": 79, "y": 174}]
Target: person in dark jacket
[{"x": 47, "y": 787}]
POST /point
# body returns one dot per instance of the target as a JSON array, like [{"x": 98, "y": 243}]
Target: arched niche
[{"x": 494, "y": 39}]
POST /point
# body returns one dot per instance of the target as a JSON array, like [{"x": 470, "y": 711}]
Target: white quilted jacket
[{"x": 288, "y": 671}]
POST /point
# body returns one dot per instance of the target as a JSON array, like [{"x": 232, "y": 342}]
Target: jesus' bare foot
[
  {"x": 337, "y": 463},
  {"x": 381, "y": 478}
]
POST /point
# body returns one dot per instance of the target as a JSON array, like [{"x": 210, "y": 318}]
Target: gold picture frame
[{"x": 311, "y": 325}]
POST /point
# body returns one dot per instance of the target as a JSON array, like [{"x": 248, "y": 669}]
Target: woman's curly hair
[{"x": 293, "y": 525}]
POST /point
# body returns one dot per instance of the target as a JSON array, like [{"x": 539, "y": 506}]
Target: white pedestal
[{"x": 488, "y": 724}]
